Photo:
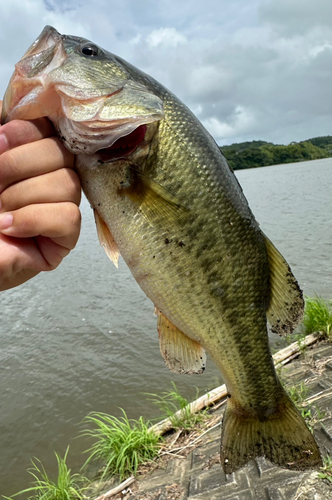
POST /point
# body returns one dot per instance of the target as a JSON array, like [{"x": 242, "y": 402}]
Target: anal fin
[
  {"x": 106, "y": 239},
  {"x": 181, "y": 354}
]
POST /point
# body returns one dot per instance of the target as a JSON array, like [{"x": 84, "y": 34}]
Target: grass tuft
[
  {"x": 326, "y": 469},
  {"x": 171, "y": 402},
  {"x": 298, "y": 394},
  {"x": 122, "y": 444},
  {"x": 67, "y": 486},
  {"x": 318, "y": 316},
  {"x": 310, "y": 413}
]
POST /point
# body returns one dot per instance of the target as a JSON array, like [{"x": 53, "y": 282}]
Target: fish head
[{"x": 93, "y": 100}]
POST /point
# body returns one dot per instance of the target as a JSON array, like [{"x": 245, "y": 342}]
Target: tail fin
[{"x": 282, "y": 437}]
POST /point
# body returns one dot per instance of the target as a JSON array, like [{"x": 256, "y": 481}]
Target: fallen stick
[
  {"x": 192, "y": 443},
  {"x": 117, "y": 489},
  {"x": 320, "y": 395},
  {"x": 219, "y": 404},
  {"x": 178, "y": 434},
  {"x": 203, "y": 402},
  {"x": 172, "y": 454},
  {"x": 291, "y": 351}
]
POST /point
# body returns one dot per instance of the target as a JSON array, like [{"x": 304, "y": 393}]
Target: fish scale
[
  {"x": 186, "y": 291},
  {"x": 166, "y": 200}
]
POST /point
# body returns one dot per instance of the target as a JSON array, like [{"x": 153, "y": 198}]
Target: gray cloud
[
  {"x": 249, "y": 69},
  {"x": 292, "y": 17}
]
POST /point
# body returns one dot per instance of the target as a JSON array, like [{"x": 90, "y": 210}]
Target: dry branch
[
  {"x": 293, "y": 350},
  {"x": 117, "y": 489},
  {"x": 203, "y": 402}
]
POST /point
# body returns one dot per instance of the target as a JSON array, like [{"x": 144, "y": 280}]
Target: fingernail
[
  {"x": 6, "y": 221},
  {"x": 3, "y": 143}
]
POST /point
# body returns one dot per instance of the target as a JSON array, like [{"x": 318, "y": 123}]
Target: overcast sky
[{"x": 249, "y": 69}]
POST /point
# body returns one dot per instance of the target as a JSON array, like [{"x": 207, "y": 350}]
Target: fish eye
[{"x": 90, "y": 50}]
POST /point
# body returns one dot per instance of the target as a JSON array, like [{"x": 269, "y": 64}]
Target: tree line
[{"x": 261, "y": 153}]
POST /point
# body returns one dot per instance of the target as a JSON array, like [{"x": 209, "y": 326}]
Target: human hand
[{"x": 39, "y": 198}]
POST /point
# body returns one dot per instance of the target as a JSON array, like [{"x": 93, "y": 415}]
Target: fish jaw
[
  {"x": 25, "y": 97},
  {"x": 93, "y": 103}
]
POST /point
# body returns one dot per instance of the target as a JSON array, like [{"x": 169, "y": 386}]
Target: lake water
[{"x": 84, "y": 337}]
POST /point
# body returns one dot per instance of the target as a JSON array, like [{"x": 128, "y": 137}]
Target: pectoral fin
[
  {"x": 286, "y": 303},
  {"x": 181, "y": 354},
  {"x": 106, "y": 239},
  {"x": 152, "y": 199}
]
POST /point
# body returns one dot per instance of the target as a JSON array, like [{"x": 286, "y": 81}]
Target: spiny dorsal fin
[
  {"x": 106, "y": 239},
  {"x": 152, "y": 199},
  {"x": 181, "y": 354},
  {"x": 286, "y": 305}
]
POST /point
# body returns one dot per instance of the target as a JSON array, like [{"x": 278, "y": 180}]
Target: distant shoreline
[{"x": 255, "y": 154}]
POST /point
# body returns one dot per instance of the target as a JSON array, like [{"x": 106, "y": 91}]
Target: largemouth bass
[{"x": 165, "y": 199}]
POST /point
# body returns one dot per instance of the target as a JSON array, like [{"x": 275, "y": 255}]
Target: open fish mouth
[
  {"x": 124, "y": 146},
  {"x": 117, "y": 140},
  {"x": 94, "y": 109}
]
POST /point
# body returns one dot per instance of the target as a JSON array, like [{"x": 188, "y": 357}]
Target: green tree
[{"x": 261, "y": 153}]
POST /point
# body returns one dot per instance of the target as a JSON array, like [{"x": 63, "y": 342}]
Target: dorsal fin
[
  {"x": 106, "y": 239},
  {"x": 181, "y": 354},
  {"x": 286, "y": 305}
]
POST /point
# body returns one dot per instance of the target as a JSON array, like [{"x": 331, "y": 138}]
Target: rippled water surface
[{"x": 84, "y": 337}]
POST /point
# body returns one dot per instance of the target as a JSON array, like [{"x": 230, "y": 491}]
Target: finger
[
  {"x": 20, "y": 260},
  {"x": 59, "y": 221},
  {"x": 54, "y": 187},
  {"x": 52, "y": 252},
  {"x": 23, "y": 258},
  {"x": 19, "y": 132},
  {"x": 33, "y": 159}
]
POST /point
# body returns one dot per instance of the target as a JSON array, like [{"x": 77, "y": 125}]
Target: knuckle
[
  {"x": 73, "y": 215},
  {"x": 17, "y": 132},
  {"x": 20, "y": 132},
  {"x": 73, "y": 186},
  {"x": 55, "y": 149},
  {"x": 31, "y": 220},
  {"x": 13, "y": 127},
  {"x": 73, "y": 225},
  {"x": 26, "y": 220},
  {"x": 67, "y": 157},
  {"x": 9, "y": 168},
  {"x": 44, "y": 126}
]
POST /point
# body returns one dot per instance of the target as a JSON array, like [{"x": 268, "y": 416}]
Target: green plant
[
  {"x": 177, "y": 409},
  {"x": 309, "y": 418},
  {"x": 121, "y": 443},
  {"x": 311, "y": 414},
  {"x": 289, "y": 339},
  {"x": 326, "y": 469},
  {"x": 67, "y": 486},
  {"x": 320, "y": 414},
  {"x": 317, "y": 316},
  {"x": 299, "y": 338},
  {"x": 298, "y": 393}
]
